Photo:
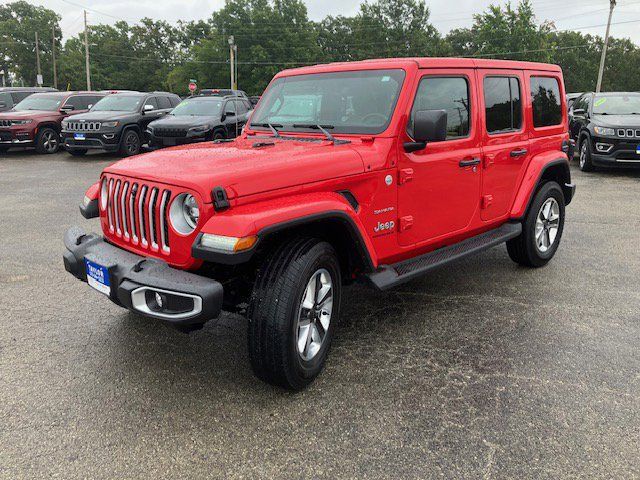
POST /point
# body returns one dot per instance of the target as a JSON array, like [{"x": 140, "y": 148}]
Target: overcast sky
[{"x": 567, "y": 14}]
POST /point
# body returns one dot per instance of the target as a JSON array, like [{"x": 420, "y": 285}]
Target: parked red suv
[
  {"x": 378, "y": 171},
  {"x": 35, "y": 121}
]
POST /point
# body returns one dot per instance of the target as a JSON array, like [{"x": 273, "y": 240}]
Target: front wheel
[
  {"x": 130, "y": 144},
  {"x": 585, "y": 162},
  {"x": 47, "y": 141},
  {"x": 542, "y": 228},
  {"x": 292, "y": 314}
]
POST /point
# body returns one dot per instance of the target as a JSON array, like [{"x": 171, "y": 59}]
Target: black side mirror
[
  {"x": 66, "y": 109},
  {"x": 229, "y": 114},
  {"x": 428, "y": 126},
  {"x": 579, "y": 111}
]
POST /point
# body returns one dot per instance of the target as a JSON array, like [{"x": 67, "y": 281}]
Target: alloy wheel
[
  {"x": 547, "y": 225},
  {"x": 314, "y": 316},
  {"x": 583, "y": 154},
  {"x": 49, "y": 141},
  {"x": 131, "y": 143}
]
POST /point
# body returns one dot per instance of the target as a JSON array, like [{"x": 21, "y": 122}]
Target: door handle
[
  {"x": 469, "y": 163},
  {"x": 518, "y": 153}
]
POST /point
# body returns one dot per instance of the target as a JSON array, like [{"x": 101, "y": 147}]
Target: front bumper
[
  {"x": 16, "y": 137},
  {"x": 133, "y": 278},
  {"x": 156, "y": 142},
  {"x": 109, "y": 141},
  {"x": 613, "y": 152}
]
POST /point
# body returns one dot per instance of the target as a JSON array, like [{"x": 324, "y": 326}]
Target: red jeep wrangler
[
  {"x": 36, "y": 120},
  {"x": 378, "y": 170}
]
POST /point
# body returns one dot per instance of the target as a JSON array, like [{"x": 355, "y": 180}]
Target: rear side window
[
  {"x": 175, "y": 101},
  {"x": 545, "y": 97},
  {"x": 164, "y": 103},
  {"x": 503, "y": 104},
  {"x": 445, "y": 93}
]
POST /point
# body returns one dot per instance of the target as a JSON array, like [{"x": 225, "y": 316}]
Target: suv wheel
[
  {"x": 542, "y": 228},
  {"x": 130, "y": 143},
  {"x": 219, "y": 135},
  {"x": 47, "y": 141},
  {"x": 292, "y": 314},
  {"x": 585, "y": 155}
]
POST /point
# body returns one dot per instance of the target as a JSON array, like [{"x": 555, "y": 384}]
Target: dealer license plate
[
  {"x": 98, "y": 277},
  {"x": 638, "y": 149},
  {"x": 79, "y": 136}
]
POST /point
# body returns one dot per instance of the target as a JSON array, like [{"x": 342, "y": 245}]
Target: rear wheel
[
  {"x": 47, "y": 141},
  {"x": 541, "y": 230},
  {"x": 585, "y": 162},
  {"x": 292, "y": 314},
  {"x": 130, "y": 143},
  {"x": 78, "y": 152}
]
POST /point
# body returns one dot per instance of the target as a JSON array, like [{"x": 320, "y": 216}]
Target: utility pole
[
  {"x": 232, "y": 62},
  {"x": 53, "y": 56},
  {"x": 86, "y": 52},
  {"x": 39, "y": 77},
  {"x": 612, "y": 4}
]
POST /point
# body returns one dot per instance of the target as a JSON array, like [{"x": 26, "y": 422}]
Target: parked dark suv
[
  {"x": 116, "y": 124},
  {"x": 199, "y": 119},
  {"x": 11, "y": 96},
  {"x": 606, "y": 128}
]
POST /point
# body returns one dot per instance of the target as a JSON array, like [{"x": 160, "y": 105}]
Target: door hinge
[
  {"x": 406, "y": 223},
  {"x": 487, "y": 200},
  {"x": 405, "y": 175},
  {"x": 489, "y": 160}
]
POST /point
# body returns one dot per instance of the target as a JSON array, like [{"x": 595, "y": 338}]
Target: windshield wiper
[
  {"x": 271, "y": 126},
  {"x": 322, "y": 128}
]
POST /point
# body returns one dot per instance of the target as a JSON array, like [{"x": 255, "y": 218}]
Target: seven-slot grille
[
  {"x": 629, "y": 133},
  {"x": 138, "y": 213},
  {"x": 5, "y": 123},
  {"x": 169, "y": 132},
  {"x": 83, "y": 126}
]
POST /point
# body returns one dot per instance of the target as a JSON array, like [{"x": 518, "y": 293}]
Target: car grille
[
  {"x": 170, "y": 132},
  {"x": 5, "y": 123},
  {"x": 83, "y": 126},
  {"x": 138, "y": 213},
  {"x": 628, "y": 133}
]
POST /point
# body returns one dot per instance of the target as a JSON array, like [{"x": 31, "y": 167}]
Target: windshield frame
[
  {"x": 42, "y": 95},
  {"x": 597, "y": 97},
  {"x": 136, "y": 109},
  {"x": 401, "y": 71}
]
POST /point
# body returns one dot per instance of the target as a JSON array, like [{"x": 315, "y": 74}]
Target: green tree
[{"x": 19, "y": 22}]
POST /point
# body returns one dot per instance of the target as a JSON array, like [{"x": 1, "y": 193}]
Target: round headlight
[
  {"x": 103, "y": 194},
  {"x": 184, "y": 214}
]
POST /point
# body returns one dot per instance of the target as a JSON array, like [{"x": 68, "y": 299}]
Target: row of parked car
[{"x": 118, "y": 121}]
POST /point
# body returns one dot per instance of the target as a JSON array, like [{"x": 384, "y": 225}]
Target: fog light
[
  {"x": 159, "y": 300},
  {"x": 603, "y": 147}
]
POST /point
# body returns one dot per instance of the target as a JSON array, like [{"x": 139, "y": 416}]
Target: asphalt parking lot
[{"x": 482, "y": 370}]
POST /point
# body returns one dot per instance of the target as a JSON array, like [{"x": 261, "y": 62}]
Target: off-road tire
[
  {"x": 585, "y": 161},
  {"x": 47, "y": 141},
  {"x": 523, "y": 249},
  {"x": 78, "y": 152},
  {"x": 274, "y": 310},
  {"x": 130, "y": 144}
]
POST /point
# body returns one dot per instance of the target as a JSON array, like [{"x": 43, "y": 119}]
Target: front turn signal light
[{"x": 227, "y": 244}]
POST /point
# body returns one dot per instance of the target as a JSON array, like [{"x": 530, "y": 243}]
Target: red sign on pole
[{"x": 192, "y": 87}]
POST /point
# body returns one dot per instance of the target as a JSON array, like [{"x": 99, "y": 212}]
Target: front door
[
  {"x": 505, "y": 140},
  {"x": 439, "y": 187}
]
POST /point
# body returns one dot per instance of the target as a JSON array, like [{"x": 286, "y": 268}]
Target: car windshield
[
  {"x": 359, "y": 102},
  {"x": 616, "y": 105},
  {"x": 198, "y": 107},
  {"x": 118, "y": 103},
  {"x": 40, "y": 101}
]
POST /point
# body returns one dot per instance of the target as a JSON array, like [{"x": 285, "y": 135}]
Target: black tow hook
[
  {"x": 80, "y": 238},
  {"x": 138, "y": 266}
]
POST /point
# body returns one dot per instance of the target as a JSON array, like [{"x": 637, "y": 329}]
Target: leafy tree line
[{"x": 275, "y": 34}]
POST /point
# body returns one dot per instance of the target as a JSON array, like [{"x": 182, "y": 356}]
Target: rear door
[
  {"x": 439, "y": 187},
  {"x": 505, "y": 139}
]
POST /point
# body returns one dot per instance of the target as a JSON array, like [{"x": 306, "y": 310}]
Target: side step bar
[{"x": 388, "y": 276}]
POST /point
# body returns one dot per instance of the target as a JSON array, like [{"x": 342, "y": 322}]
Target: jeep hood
[
  {"x": 99, "y": 116},
  {"x": 617, "y": 120},
  {"x": 26, "y": 114},
  {"x": 242, "y": 168}
]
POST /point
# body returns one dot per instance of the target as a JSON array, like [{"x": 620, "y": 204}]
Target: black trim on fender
[
  {"x": 90, "y": 210},
  {"x": 216, "y": 256},
  {"x": 350, "y": 197}
]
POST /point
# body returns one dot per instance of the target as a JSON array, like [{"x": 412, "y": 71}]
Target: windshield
[
  {"x": 198, "y": 107},
  {"x": 617, "y": 105},
  {"x": 39, "y": 101},
  {"x": 345, "y": 102},
  {"x": 118, "y": 103}
]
